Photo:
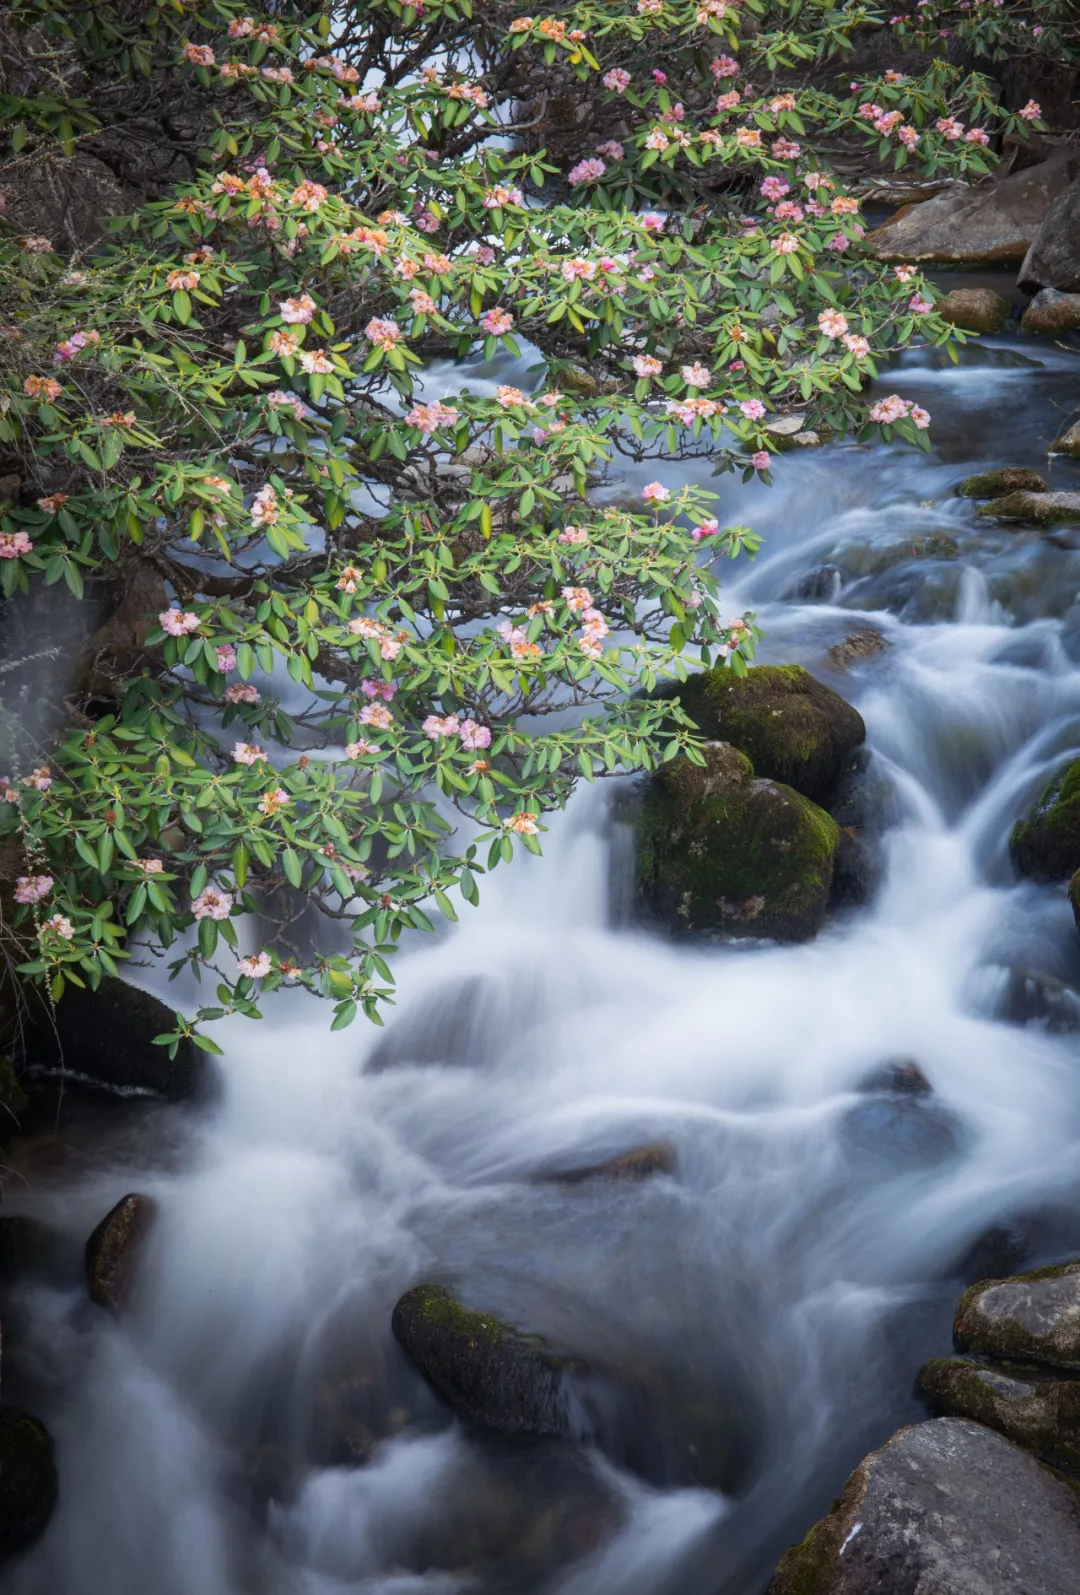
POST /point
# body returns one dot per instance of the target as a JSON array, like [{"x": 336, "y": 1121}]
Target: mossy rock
[
  {"x": 1009, "y": 479},
  {"x": 1045, "y": 844},
  {"x": 1074, "y": 897},
  {"x": 974, "y": 309},
  {"x": 1036, "y": 1409},
  {"x": 28, "y": 1484},
  {"x": 1032, "y": 1317},
  {"x": 791, "y": 726},
  {"x": 27, "y": 1246},
  {"x": 114, "y": 1249},
  {"x": 721, "y": 851},
  {"x": 488, "y": 1372},
  {"x": 1035, "y": 509}
]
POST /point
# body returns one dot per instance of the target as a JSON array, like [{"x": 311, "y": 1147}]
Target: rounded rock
[
  {"x": 974, "y": 309},
  {"x": 1045, "y": 843},
  {"x": 114, "y": 1249},
  {"x": 28, "y": 1482}
]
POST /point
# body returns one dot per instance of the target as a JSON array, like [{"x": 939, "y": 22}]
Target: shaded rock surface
[
  {"x": 658, "y": 1157},
  {"x": 1033, "y": 1316},
  {"x": 114, "y": 1248},
  {"x": 721, "y": 851},
  {"x": 1008, "y": 479},
  {"x": 27, "y": 1246},
  {"x": 28, "y": 1484},
  {"x": 974, "y": 309},
  {"x": 489, "y": 1373},
  {"x": 107, "y": 1036},
  {"x": 944, "y": 1508},
  {"x": 1053, "y": 261},
  {"x": 1045, "y": 842},
  {"x": 860, "y": 645},
  {"x": 1069, "y": 442},
  {"x": 1030, "y": 1406},
  {"x": 998, "y": 221},
  {"x": 1039, "y": 509},
  {"x": 791, "y": 726},
  {"x": 1051, "y": 312}
]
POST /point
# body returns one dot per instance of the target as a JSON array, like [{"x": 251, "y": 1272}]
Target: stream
[{"x": 250, "y": 1426}]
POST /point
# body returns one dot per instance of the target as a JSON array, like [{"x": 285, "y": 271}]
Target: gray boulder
[
  {"x": 1051, "y": 312},
  {"x": 974, "y": 309},
  {"x": 1031, "y": 1406},
  {"x": 944, "y": 1508},
  {"x": 1069, "y": 441},
  {"x": 114, "y": 1249},
  {"x": 1034, "y": 1316},
  {"x": 1053, "y": 261},
  {"x": 996, "y": 221}
]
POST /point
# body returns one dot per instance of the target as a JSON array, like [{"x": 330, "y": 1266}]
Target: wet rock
[
  {"x": 1053, "y": 261},
  {"x": 997, "y": 221},
  {"x": 974, "y": 309},
  {"x": 818, "y": 586},
  {"x": 1045, "y": 843},
  {"x": 723, "y": 852},
  {"x": 860, "y": 645},
  {"x": 944, "y": 1508},
  {"x": 1034, "y": 1316},
  {"x": 1035, "y": 998},
  {"x": 1001, "y": 1249},
  {"x": 1036, "y": 1409},
  {"x": 857, "y": 872},
  {"x": 901, "y": 1131},
  {"x": 28, "y": 1484},
  {"x": 106, "y": 1036},
  {"x": 1074, "y": 897},
  {"x": 1052, "y": 313},
  {"x": 1009, "y": 479},
  {"x": 791, "y": 726},
  {"x": 1069, "y": 442},
  {"x": 113, "y": 1250},
  {"x": 489, "y": 1373},
  {"x": 1039, "y": 509},
  {"x": 658, "y": 1157},
  {"x": 900, "y": 1075}
]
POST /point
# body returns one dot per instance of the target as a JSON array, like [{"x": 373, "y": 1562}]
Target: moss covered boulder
[
  {"x": 943, "y": 1508},
  {"x": 489, "y": 1373},
  {"x": 1035, "y": 1407},
  {"x": 791, "y": 726},
  {"x": 1045, "y": 843},
  {"x": 1009, "y": 479},
  {"x": 1035, "y": 509},
  {"x": 974, "y": 309},
  {"x": 1034, "y": 1317},
  {"x": 28, "y": 1483},
  {"x": 722, "y": 851},
  {"x": 114, "y": 1249}
]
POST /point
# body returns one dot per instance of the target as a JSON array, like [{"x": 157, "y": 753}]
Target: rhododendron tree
[{"x": 392, "y": 603}]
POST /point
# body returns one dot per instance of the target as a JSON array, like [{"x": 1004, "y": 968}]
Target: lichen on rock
[{"x": 1045, "y": 842}]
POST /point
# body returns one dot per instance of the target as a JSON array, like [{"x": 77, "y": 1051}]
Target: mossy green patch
[
  {"x": 1009, "y": 479},
  {"x": 1045, "y": 844}
]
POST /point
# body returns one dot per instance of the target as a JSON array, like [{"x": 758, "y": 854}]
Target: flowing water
[{"x": 250, "y": 1428}]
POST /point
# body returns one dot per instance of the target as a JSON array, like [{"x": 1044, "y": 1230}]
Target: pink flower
[
  {"x": 284, "y": 344},
  {"x": 976, "y": 135},
  {"x": 429, "y": 417},
  {"x": 617, "y": 80},
  {"x": 363, "y": 749},
  {"x": 375, "y": 714},
  {"x": 658, "y": 76},
  {"x": 574, "y": 535},
  {"x": 61, "y": 925},
  {"x": 273, "y": 800},
  {"x": 226, "y": 657},
  {"x": 211, "y": 904},
  {"x": 612, "y": 149},
  {"x": 509, "y": 396},
  {"x": 384, "y": 334},
  {"x": 653, "y": 222},
  {"x": 949, "y": 128},
  {"x": 761, "y": 460},
  {"x": 786, "y": 149},
  {"x": 299, "y": 311},
  {"x": 832, "y": 324},
  {"x": 919, "y": 305},
  {"x": 577, "y": 599},
  {"x": 696, "y": 375},
  {"x": 1031, "y": 111},
  {"x": 32, "y": 888},
  {"x": 786, "y": 244},
  {"x": 199, "y": 54},
  {"x": 242, "y": 692},
  {"x": 647, "y": 365},
  {"x": 752, "y": 408},
  {"x": 316, "y": 362},
  {"x": 265, "y": 509},
  {"x": 856, "y": 346},
  {"x": 256, "y": 966},
  {"x": 309, "y": 196},
  {"x": 774, "y": 188},
  {"x": 723, "y": 66},
  {"x": 149, "y": 866},
  {"x": 920, "y": 417},
  {"x": 588, "y": 171},
  {"x": 495, "y": 198},
  {"x": 728, "y": 101},
  {"x": 473, "y": 735},
  {"x": 437, "y": 727},
  {"x": 904, "y": 273},
  {"x": 908, "y": 136},
  {"x": 40, "y": 779},
  {"x": 655, "y": 493},
  {"x": 178, "y": 622},
  {"x": 422, "y": 302},
  {"x": 524, "y": 823},
  {"x": 840, "y": 242},
  {"x": 247, "y": 753},
  {"x": 378, "y": 689},
  {"x": 707, "y": 528},
  {"x": 888, "y": 410},
  {"x": 12, "y": 544},
  {"x": 497, "y": 321}
]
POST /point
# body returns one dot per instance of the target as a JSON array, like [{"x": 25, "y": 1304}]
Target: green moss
[
  {"x": 1037, "y": 509},
  {"x": 438, "y": 1308},
  {"x": 722, "y": 851},
  {"x": 1010, "y": 479},
  {"x": 804, "y": 1569},
  {"x": 1046, "y": 842}
]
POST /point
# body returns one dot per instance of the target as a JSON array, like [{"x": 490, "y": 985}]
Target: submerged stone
[
  {"x": 1045, "y": 843},
  {"x": 791, "y": 726},
  {"x": 1036, "y": 1409},
  {"x": 720, "y": 851},
  {"x": 1009, "y": 479},
  {"x": 658, "y": 1157},
  {"x": 114, "y": 1249},
  {"x": 1069, "y": 442},
  {"x": 1033, "y": 1316},
  {"x": 28, "y": 1484},
  {"x": 1039, "y": 509},
  {"x": 860, "y": 645},
  {"x": 944, "y": 1508}
]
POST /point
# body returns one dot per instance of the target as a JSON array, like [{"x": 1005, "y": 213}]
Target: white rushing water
[{"x": 776, "y": 1294}]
